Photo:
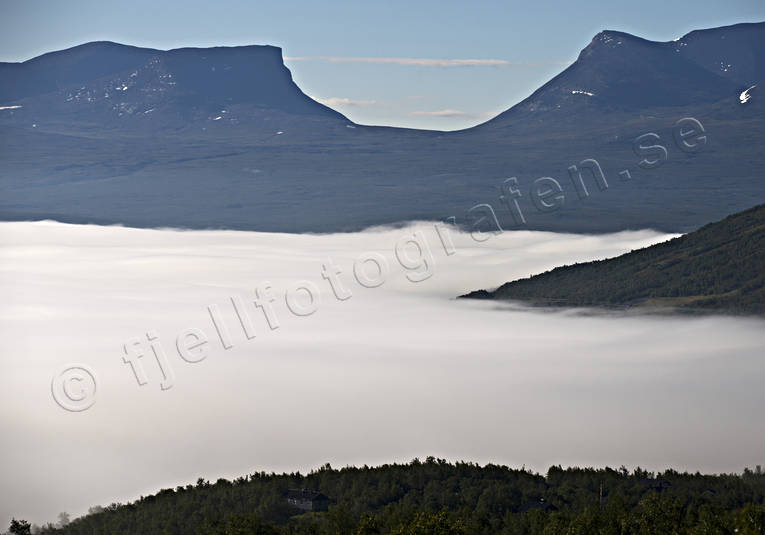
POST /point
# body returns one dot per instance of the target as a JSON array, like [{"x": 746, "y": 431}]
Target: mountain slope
[
  {"x": 618, "y": 71},
  {"x": 64, "y": 68},
  {"x": 734, "y": 52},
  {"x": 720, "y": 267},
  {"x": 223, "y": 138}
]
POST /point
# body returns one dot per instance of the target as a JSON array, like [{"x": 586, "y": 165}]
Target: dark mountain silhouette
[
  {"x": 222, "y": 137},
  {"x": 716, "y": 268}
]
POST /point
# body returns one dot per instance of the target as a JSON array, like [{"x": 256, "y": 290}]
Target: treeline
[
  {"x": 720, "y": 267},
  {"x": 438, "y": 497}
]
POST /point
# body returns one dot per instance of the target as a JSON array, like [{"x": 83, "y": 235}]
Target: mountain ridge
[
  {"x": 669, "y": 55},
  {"x": 606, "y": 39}
]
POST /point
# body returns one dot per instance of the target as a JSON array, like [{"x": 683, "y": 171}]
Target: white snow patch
[
  {"x": 745, "y": 96},
  {"x": 582, "y": 92},
  {"x": 349, "y": 126},
  {"x": 218, "y": 118},
  {"x": 10, "y": 107},
  {"x": 279, "y": 133}
]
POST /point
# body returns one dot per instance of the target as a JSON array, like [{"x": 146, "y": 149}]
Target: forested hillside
[
  {"x": 720, "y": 267},
  {"x": 437, "y": 497}
]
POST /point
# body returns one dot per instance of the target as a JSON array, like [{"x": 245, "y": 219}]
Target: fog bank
[{"x": 363, "y": 356}]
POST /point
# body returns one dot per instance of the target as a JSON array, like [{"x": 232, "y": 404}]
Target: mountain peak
[
  {"x": 609, "y": 41},
  {"x": 614, "y": 38},
  {"x": 618, "y": 70}
]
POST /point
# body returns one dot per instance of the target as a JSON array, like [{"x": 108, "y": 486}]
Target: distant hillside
[
  {"x": 434, "y": 497},
  {"x": 720, "y": 267}
]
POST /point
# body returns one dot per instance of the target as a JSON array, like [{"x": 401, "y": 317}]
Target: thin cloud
[
  {"x": 424, "y": 62},
  {"x": 442, "y": 113}
]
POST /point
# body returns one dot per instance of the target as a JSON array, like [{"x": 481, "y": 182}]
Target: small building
[
  {"x": 540, "y": 504},
  {"x": 307, "y": 500}
]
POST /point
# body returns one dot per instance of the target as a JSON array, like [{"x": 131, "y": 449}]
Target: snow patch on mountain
[{"x": 745, "y": 96}]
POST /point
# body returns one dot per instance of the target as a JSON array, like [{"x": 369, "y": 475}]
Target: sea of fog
[{"x": 357, "y": 353}]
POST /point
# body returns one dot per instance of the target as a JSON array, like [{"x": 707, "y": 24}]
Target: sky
[
  {"x": 385, "y": 63},
  {"x": 396, "y": 369}
]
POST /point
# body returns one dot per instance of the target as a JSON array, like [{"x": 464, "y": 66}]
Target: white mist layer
[{"x": 393, "y": 372}]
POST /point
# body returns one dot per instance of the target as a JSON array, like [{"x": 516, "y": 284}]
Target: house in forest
[
  {"x": 541, "y": 504},
  {"x": 307, "y": 500}
]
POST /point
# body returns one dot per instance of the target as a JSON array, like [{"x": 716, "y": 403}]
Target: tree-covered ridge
[
  {"x": 719, "y": 267},
  {"x": 438, "y": 497}
]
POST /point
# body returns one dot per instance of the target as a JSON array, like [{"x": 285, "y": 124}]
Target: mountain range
[{"x": 223, "y": 138}]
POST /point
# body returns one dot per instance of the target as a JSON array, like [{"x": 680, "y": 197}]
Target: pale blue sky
[{"x": 534, "y": 40}]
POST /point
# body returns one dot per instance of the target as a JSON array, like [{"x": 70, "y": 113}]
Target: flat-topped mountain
[
  {"x": 223, "y": 138},
  {"x": 150, "y": 91},
  {"x": 718, "y": 268}
]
